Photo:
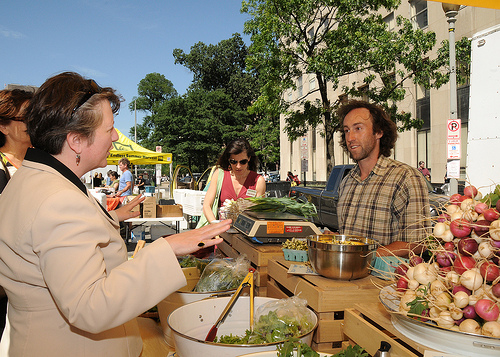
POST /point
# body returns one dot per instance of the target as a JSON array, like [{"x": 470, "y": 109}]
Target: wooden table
[
  {"x": 329, "y": 298},
  {"x": 368, "y": 324},
  {"x": 153, "y": 343},
  {"x": 235, "y": 244}
]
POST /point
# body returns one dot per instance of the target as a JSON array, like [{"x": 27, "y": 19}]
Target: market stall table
[
  {"x": 235, "y": 244},
  {"x": 131, "y": 223},
  {"x": 368, "y": 324},
  {"x": 329, "y": 298}
]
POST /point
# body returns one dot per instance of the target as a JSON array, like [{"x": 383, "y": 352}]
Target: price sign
[{"x": 275, "y": 227}]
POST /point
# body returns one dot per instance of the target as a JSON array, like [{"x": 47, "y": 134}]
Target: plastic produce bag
[
  {"x": 280, "y": 320},
  {"x": 223, "y": 274}
]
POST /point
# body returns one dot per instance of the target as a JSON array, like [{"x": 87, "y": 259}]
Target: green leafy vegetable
[
  {"x": 303, "y": 350},
  {"x": 282, "y": 204},
  {"x": 271, "y": 328},
  {"x": 352, "y": 351}
]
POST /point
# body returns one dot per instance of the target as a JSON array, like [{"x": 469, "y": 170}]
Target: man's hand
[{"x": 124, "y": 212}]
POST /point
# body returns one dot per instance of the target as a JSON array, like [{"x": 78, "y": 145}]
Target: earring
[{"x": 77, "y": 159}]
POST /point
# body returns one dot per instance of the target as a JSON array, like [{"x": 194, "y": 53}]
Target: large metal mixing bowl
[{"x": 341, "y": 257}]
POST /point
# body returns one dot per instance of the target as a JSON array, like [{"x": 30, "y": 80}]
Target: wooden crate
[
  {"x": 368, "y": 324},
  {"x": 258, "y": 254},
  {"x": 327, "y": 297}
]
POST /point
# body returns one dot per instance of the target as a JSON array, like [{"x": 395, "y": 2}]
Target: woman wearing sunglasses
[
  {"x": 71, "y": 289},
  {"x": 239, "y": 165}
]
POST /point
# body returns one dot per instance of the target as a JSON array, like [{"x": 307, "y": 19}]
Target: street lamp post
[{"x": 451, "y": 11}]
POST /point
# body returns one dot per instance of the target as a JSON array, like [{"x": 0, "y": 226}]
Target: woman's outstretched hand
[
  {"x": 190, "y": 241},
  {"x": 124, "y": 212}
]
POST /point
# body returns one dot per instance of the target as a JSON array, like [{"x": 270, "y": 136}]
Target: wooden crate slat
[{"x": 369, "y": 337}]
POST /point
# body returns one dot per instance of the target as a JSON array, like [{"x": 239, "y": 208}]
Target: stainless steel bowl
[{"x": 341, "y": 257}]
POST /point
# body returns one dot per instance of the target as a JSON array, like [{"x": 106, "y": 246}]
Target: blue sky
[{"x": 115, "y": 42}]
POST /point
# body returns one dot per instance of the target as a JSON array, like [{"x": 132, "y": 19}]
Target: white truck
[{"x": 483, "y": 146}]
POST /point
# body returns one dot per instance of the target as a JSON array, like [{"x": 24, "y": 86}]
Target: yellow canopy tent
[
  {"x": 124, "y": 147},
  {"x": 490, "y": 4}
]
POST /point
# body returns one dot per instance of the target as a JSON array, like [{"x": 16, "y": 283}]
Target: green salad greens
[
  {"x": 303, "y": 350},
  {"x": 282, "y": 204},
  {"x": 270, "y": 328}
]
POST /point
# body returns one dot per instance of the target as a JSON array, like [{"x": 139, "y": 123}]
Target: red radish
[
  {"x": 460, "y": 228},
  {"x": 449, "y": 246},
  {"x": 480, "y": 207},
  {"x": 467, "y": 246},
  {"x": 445, "y": 259},
  {"x": 402, "y": 284},
  {"x": 415, "y": 260},
  {"x": 464, "y": 263},
  {"x": 491, "y": 214},
  {"x": 469, "y": 312},
  {"x": 401, "y": 270},
  {"x": 489, "y": 271},
  {"x": 458, "y": 288},
  {"x": 470, "y": 191},
  {"x": 495, "y": 290},
  {"x": 482, "y": 228},
  {"x": 456, "y": 199},
  {"x": 486, "y": 309},
  {"x": 443, "y": 217}
]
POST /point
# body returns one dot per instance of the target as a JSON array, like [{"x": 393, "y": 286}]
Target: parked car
[{"x": 326, "y": 198}]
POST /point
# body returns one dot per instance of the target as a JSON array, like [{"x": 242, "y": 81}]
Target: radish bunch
[{"x": 459, "y": 287}]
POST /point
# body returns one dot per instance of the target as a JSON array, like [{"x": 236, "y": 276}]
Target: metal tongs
[{"x": 247, "y": 281}]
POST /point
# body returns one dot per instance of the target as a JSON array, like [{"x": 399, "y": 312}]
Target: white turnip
[
  {"x": 443, "y": 300},
  {"x": 495, "y": 230},
  {"x": 445, "y": 320},
  {"x": 461, "y": 299},
  {"x": 471, "y": 279},
  {"x": 425, "y": 273},
  {"x": 470, "y": 326},
  {"x": 492, "y": 329},
  {"x": 485, "y": 250}
]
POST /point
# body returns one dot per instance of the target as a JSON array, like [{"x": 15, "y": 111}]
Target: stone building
[{"x": 428, "y": 144}]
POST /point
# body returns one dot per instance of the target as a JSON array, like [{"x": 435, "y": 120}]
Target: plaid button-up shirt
[{"x": 391, "y": 204}]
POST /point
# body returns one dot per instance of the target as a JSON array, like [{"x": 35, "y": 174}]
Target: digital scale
[{"x": 273, "y": 227}]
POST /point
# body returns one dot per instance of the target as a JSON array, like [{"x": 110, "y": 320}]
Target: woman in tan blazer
[{"x": 63, "y": 263}]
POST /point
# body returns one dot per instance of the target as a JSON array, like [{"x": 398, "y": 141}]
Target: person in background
[
  {"x": 14, "y": 141},
  {"x": 97, "y": 182},
  {"x": 424, "y": 170},
  {"x": 241, "y": 180},
  {"x": 126, "y": 180},
  {"x": 379, "y": 198},
  {"x": 108, "y": 178},
  {"x": 72, "y": 291},
  {"x": 141, "y": 183}
]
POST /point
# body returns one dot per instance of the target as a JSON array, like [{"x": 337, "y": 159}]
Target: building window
[
  {"x": 363, "y": 90},
  {"x": 290, "y": 97},
  {"x": 390, "y": 22},
  {"x": 310, "y": 33},
  {"x": 312, "y": 82},
  {"x": 419, "y": 13},
  {"x": 463, "y": 103},
  {"x": 424, "y": 109},
  {"x": 299, "y": 86}
]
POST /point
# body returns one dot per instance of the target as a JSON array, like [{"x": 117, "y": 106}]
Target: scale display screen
[{"x": 273, "y": 230}]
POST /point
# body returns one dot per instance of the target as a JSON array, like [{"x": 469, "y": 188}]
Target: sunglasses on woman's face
[{"x": 242, "y": 162}]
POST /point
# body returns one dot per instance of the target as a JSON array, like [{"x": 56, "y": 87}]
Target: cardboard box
[
  {"x": 136, "y": 208},
  {"x": 149, "y": 207},
  {"x": 168, "y": 210}
]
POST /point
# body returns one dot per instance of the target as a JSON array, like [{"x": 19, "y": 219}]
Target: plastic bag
[
  {"x": 223, "y": 274},
  {"x": 279, "y": 320}
]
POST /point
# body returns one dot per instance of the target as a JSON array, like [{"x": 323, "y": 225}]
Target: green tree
[
  {"x": 153, "y": 90},
  {"x": 330, "y": 39}
]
